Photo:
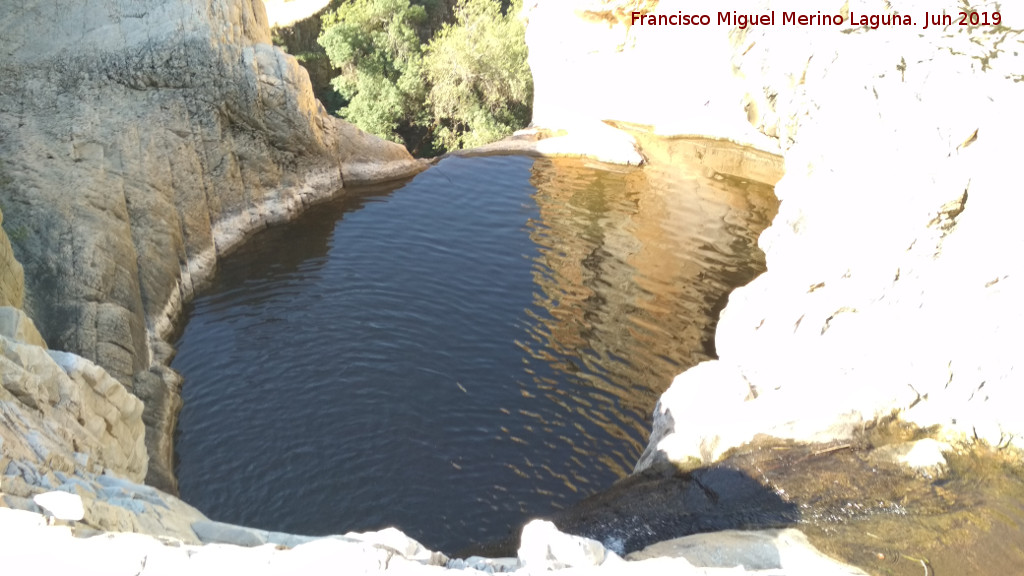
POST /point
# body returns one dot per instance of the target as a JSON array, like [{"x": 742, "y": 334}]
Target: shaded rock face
[
  {"x": 139, "y": 141},
  {"x": 12, "y": 277},
  {"x": 62, "y": 415},
  {"x": 888, "y": 286}
]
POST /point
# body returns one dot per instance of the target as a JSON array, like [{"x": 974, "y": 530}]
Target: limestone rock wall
[
  {"x": 139, "y": 141},
  {"x": 62, "y": 413},
  {"x": 891, "y": 283},
  {"x": 892, "y": 279}
]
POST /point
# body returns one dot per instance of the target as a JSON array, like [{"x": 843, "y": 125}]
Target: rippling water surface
[{"x": 484, "y": 343}]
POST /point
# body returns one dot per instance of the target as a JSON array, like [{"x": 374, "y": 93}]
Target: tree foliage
[
  {"x": 376, "y": 46},
  {"x": 468, "y": 86},
  {"x": 480, "y": 83}
]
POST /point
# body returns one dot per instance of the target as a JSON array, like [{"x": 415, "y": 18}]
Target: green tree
[
  {"x": 480, "y": 84},
  {"x": 471, "y": 84},
  {"x": 376, "y": 45}
]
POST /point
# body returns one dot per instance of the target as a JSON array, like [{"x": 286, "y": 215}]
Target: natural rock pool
[{"x": 453, "y": 354}]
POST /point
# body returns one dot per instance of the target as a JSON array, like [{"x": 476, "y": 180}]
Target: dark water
[{"x": 484, "y": 343}]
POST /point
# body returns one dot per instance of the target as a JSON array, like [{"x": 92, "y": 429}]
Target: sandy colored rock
[
  {"x": 70, "y": 432},
  {"x": 12, "y": 276},
  {"x": 64, "y": 413},
  {"x": 61, "y": 505},
  {"x": 142, "y": 141},
  {"x": 15, "y": 325}
]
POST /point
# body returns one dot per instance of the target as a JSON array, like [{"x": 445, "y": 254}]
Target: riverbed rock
[
  {"x": 142, "y": 140},
  {"x": 72, "y": 433},
  {"x": 31, "y": 545}
]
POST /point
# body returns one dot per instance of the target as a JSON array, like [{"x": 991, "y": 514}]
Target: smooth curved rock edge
[
  {"x": 140, "y": 141},
  {"x": 800, "y": 138}
]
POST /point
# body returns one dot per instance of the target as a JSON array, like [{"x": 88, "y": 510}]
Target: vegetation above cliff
[{"x": 408, "y": 76}]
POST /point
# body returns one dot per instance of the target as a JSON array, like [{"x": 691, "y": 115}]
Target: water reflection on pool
[{"x": 482, "y": 343}]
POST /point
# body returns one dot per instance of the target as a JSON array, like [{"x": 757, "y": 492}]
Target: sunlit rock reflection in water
[{"x": 484, "y": 343}]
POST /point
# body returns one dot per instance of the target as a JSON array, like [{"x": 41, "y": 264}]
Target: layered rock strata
[{"x": 140, "y": 141}]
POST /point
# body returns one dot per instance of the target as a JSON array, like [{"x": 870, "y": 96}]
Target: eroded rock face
[
  {"x": 72, "y": 441},
  {"x": 62, "y": 413},
  {"x": 139, "y": 141}
]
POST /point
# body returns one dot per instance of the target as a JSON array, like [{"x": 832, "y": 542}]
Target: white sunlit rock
[
  {"x": 544, "y": 547},
  {"x": 61, "y": 505}
]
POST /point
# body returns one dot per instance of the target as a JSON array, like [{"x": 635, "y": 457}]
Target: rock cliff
[
  {"x": 140, "y": 141},
  {"x": 889, "y": 285}
]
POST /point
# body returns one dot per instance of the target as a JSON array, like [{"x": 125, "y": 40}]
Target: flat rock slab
[{"x": 787, "y": 550}]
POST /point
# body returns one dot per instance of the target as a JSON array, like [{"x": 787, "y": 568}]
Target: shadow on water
[
  {"x": 298, "y": 244},
  {"x": 662, "y": 503},
  {"x": 483, "y": 345}
]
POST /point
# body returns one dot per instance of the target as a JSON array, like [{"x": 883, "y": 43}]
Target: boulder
[
  {"x": 543, "y": 547},
  {"x": 61, "y": 505},
  {"x": 12, "y": 275}
]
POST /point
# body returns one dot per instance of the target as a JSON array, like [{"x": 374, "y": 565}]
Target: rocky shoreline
[
  {"x": 137, "y": 149},
  {"x": 180, "y": 131}
]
